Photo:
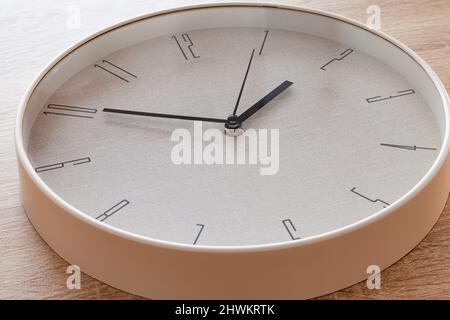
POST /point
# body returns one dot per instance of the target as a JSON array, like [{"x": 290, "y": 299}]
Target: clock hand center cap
[{"x": 233, "y": 126}]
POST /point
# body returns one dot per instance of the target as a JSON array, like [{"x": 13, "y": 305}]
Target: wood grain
[{"x": 35, "y": 32}]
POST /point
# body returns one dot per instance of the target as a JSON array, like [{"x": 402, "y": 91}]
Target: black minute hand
[
  {"x": 163, "y": 115},
  {"x": 265, "y": 100},
  {"x": 243, "y": 83}
]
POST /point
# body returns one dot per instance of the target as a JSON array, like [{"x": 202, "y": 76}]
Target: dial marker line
[
  {"x": 289, "y": 221},
  {"x": 202, "y": 226},
  {"x": 368, "y": 199},
  {"x": 108, "y": 213},
  {"x": 399, "y": 94},
  {"x": 264, "y": 42},
  {"x": 66, "y": 114},
  {"x": 112, "y": 64},
  {"x": 49, "y": 167},
  {"x": 405, "y": 92},
  {"x": 406, "y": 147},
  {"x": 62, "y": 164},
  {"x": 116, "y": 75},
  {"x": 342, "y": 56},
  {"x": 80, "y": 161},
  {"x": 67, "y": 108},
  {"x": 188, "y": 40},
  {"x": 179, "y": 46},
  {"x": 71, "y": 108}
]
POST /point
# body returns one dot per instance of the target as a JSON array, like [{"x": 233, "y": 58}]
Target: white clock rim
[{"x": 52, "y": 196}]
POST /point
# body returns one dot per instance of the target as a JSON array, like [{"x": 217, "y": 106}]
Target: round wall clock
[{"x": 234, "y": 151}]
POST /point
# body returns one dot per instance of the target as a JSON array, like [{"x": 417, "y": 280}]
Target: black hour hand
[{"x": 265, "y": 100}]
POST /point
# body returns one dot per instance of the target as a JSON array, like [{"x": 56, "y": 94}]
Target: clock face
[{"x": 323, "y": 136}]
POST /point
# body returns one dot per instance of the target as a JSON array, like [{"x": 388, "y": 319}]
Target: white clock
[{"x": 234, "y": 151}]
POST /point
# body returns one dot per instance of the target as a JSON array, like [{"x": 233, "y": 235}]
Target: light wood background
[{"x": 33, "y": 32}]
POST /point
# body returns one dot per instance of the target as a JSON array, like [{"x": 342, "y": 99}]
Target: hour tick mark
[
  {"x": 187, "y": 42},
  {"x": 62, "y": 164},
  {"x": 108, "y": 213},
  {"x": 289, "y": 225},
  {"x": 264, "y": 41},
  {"x": 202, "y": 226},
  {"x": 342, "y": 56},
  {"x": 399, "y": 146},
  {"x": 400, "y": 93},
  {"x": 385, "y": 204},
  {"x": 109, "y": 66},
  {"x": 70, "y": 111}
]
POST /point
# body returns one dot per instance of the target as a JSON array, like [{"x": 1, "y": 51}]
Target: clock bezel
[{"x": 239, "y": 272}]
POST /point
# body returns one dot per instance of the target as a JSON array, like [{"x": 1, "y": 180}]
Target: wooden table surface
[{"x": 33, "y": 32}]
